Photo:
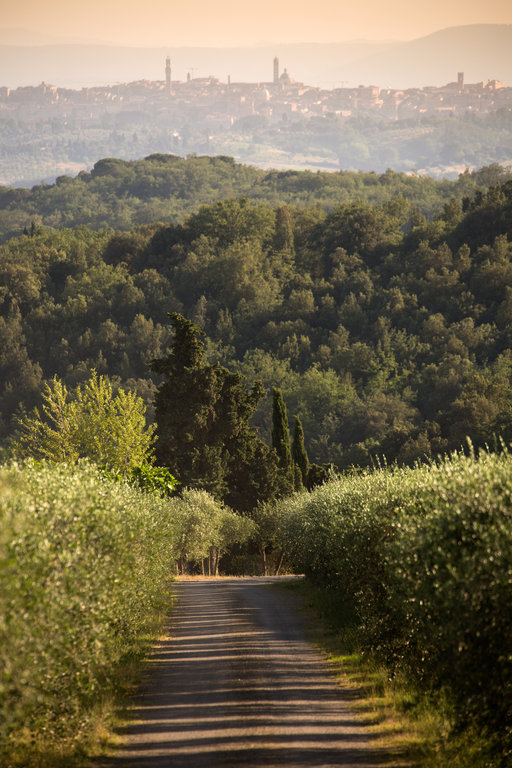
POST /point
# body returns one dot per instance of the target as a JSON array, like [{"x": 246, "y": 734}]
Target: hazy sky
[{"x": 235, "y": 22}]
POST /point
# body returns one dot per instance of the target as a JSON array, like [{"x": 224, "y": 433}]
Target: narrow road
[{"x": 236, "y": 683}]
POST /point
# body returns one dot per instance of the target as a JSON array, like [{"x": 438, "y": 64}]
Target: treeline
[
  {"x": 388, "y": 333},
  {"x": 435, "y": 143},
  {"x": 120, "y": 194}
]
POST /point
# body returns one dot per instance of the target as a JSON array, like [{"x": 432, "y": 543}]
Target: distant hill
[
  {"x": 162, "y": 187},
  {"x": 482, "y": 51}
]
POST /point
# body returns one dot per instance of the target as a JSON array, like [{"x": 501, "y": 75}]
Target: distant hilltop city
[
  {"x": 281, "y": 97},
  {"x": 49, "y": 131}
]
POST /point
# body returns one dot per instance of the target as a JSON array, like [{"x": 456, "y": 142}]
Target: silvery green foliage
[
  {"x": 422, "y": 559},
  {"x": 85, "y": 566}
]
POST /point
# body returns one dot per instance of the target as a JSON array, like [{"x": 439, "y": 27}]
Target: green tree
[
  {"x": 281, "y": 441},
  {"x": 206, "y": 529},
  {"x": 299, "y": 453},
  {"x": 88, "y": 421},
  {"x": 202, "y": 414},
  {"x": 283, "y": 238}
]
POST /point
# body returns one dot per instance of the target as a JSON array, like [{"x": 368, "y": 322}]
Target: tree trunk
[
  {"x": 264, "y": 559},
  {"x": 279, "y": 564}
]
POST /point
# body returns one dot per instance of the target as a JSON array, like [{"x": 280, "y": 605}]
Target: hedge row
[
  {"x": 85, "y": 566},
  {"x": 423, "y": 560}
]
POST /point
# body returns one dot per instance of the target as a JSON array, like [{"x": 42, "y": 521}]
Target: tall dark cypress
[
  {"x": 202, "y": 415},
  {"x": 280, "y": 433},
  {"x": 299, "y": 453},
  {"x": 281, "y": 441},
  {"x": 283, "y": 240}
]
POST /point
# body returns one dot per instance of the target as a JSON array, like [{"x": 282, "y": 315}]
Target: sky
[{"x": 238, "y": 22}]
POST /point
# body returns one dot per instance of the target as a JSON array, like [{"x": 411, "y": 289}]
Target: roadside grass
[{"x": 416, "y": 729}]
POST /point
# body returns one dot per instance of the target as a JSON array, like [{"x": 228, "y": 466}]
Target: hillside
[
  {"x": 481, "y": 50},
  {"x": 388, "y": 333},
  {"x": 120, "y": 194}
]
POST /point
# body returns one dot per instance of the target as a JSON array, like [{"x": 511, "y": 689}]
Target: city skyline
[{"x": 230, "y": 23}]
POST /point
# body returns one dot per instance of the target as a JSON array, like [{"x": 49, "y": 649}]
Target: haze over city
[
  {"x": 231, "y": 23},
  {"x": 120, "y": 79}
]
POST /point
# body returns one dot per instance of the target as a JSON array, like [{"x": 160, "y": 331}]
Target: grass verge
[{"x": 416, "y": 730}]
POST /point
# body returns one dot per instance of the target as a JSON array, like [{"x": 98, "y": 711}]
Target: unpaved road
[{"x": 236, "y": 683}]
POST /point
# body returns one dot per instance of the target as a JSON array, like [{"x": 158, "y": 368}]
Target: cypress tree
[
  {"x": 298, "y": 485},
  {"x": 280, "y": 433},
  {"x": 281, "y": 441},
  {"x": 202, "y": 414},
  {"x": 283, "y": 239},
  {"x": 299, "y": 453}
]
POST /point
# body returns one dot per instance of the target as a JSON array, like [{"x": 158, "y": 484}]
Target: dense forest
[
  {"x": 387, "y": 330},
  {"x": 120, "y": 194}
]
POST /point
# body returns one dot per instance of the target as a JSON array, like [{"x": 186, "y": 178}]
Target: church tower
[
  {"x": 276, "y": 71},
  {"x": 168, "y": 76}
]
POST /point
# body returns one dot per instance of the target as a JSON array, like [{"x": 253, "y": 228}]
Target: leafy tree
[
  {"x": 156, "y": 480},
  {"x": 268, "y": 537},
  {"x": 88, "y": 421},
  {"x": 206, "y": 530}
]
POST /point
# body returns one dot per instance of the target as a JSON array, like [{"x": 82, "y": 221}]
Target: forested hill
[
  {"x": 388, "y": 333},
  {"x": 120, "y": 194}
]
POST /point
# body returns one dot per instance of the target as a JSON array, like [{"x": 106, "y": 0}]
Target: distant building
[
  {"x": 494, "y": 85},
  {"x": 285, "y": 78},
  {"x": 276, "y": 71}
]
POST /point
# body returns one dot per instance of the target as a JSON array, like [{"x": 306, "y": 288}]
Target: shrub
[
  {"x": 422, "y": 559},
  {"x": 84, "y": 568}
]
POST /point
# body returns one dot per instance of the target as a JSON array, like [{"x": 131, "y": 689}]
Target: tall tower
[
  {"x": 460, "y": 80},
  {"x": 276, "y": 70},
  {"x": 168, "y": 76}
]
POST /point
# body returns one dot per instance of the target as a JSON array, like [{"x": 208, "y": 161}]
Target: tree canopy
[
  {"x": 202, "y": 423},
  {"x": 120, "y": 194},
  {"x": 89, "y": 421},
  {"x": 397, "y": 345}
]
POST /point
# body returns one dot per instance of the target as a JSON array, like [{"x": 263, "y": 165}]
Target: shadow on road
[{"x": 237, "y": 684}]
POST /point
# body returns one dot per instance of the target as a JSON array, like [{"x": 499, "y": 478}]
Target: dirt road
[{"x": 236, "y": 684}]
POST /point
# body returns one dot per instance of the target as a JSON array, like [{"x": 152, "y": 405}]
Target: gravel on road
[{"x": 234, "y": 683}]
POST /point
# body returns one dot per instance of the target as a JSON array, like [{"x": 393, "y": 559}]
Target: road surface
[{"x": 236, "y": 684}]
